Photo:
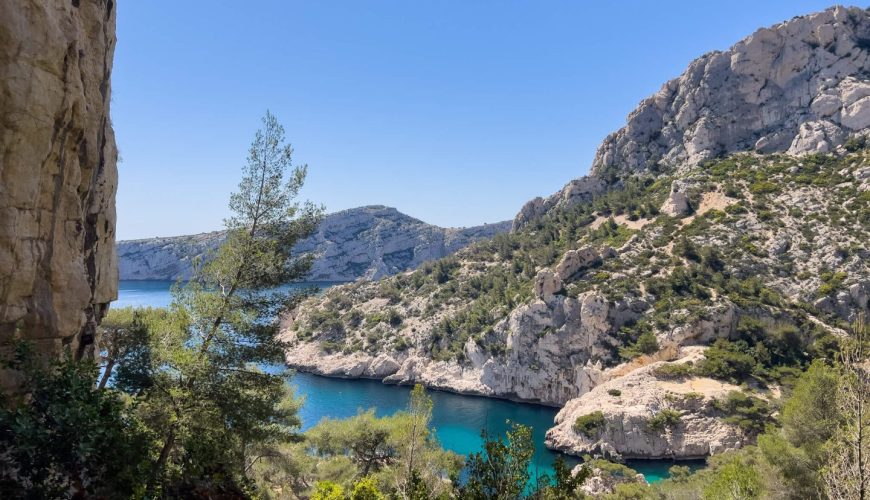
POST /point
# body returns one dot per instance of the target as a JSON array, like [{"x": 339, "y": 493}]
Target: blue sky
[{"x": 455, "y": 112}]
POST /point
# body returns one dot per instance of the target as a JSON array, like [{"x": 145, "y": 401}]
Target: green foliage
[
  {"x": 673, "y": 370},
  {"x": 646, "y": 343},
  {"x": 748, "y": 412},
  {"x": 727, "y": 360},
  {"x": 831, "y": 282},
  {"x": 565, "y": 484},
  {"x": 610, "y": 233},
  {"x": 199, "y": 389},
  {"x": 735, "y": 481},
  {"x": 614, "y": 392},
  {"x": 590, "y": 425},
  {"x": 69, "y": 439},
  {"x": 366, "y": 489},
  {"x": 666, "y": 418},
  {"x": 500, "y": 471},
  {"x": 809, "y": 421},
  {"x": 391, "y": 317},
  {"x": 398, "y": 454},
  {"x": 327, "y": 490},
  {"x": 762, "y": 187}
]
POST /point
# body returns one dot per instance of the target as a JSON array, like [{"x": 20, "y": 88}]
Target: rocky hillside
[
  {"x": 797, "y": 87},
  {"x": 719, "y": 245},
  {"x": 58, "y": 173},
  {"x": 367, "y": 242}
]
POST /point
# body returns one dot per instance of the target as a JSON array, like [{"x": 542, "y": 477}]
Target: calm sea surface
[{"x": 458, "y": 420}]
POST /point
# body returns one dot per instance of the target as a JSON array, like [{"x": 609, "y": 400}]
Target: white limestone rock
[
  {"x": 799, "y": 86},
  {"x": 677, "y": 203},
  {"x": 626, "y": 433}
]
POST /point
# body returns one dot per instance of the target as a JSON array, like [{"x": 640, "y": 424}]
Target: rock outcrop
[
  {"x": 799, "y": 87},
  {"x": 58, "y": 175},
  {"x": 629, "y": 402},
  {"x": 366, "y": 242}
]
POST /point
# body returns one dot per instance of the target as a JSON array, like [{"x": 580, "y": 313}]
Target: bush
[
  {"x": 72, "y": 439},
  {"x": 727, "y": 361},
  {"x": 666, "y": 418},
  {"x": 590, "y": 425},
  {"x": 673, "y": 371},
  {"x": 646, "y": 344},
  {"x": 745, "y": 411},
  {"x": 614, "y": 392}
]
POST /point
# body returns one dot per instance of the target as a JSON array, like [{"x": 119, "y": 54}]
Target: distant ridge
[{"x": 366, "y": 242}]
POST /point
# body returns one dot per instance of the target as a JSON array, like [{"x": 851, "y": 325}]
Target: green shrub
[
  {"x": 745, "y": 411},
  {"x": 590, "y": 425},
  {"x": 666, "y": 418},
  {"x": 71, "y": 440},
  {"x": 614, "y": 392},
  {"x": 673, "y": 371},
  {"x": 727, "y": 361},
  {"x": 762, "y": 187}
]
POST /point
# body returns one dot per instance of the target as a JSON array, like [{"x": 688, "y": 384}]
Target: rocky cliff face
[
  {"x": 799, "y": 87},
  {"x": 367, "y": 242},
  {"x": 658, "y": 260},
  {"x": 58, "y": 269}
]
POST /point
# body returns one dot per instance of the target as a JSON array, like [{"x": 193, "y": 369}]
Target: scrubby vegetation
[{"x": 590, "y": 425}]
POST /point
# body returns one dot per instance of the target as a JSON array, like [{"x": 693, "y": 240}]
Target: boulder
[
  {"x": 677, "y": 203},
  {"x": 575, "y": 260}
]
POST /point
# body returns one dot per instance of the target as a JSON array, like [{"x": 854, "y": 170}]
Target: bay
[{"x": 457, "y": 419}]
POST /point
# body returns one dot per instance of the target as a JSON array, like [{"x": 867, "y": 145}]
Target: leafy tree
[
  {"x": 500, "y": 471},
  {"x": 734, "y": 481},
  {"x": 126, "y": 352},
  {"x": 420, "y": 416},
  {"x": 748, "y": 412},
  {"x": 72, "y": 439},
  {"x": 397, "y": 452},
  {"x": 327, "y": 490},
  {"x": 846, "y": 472},
  {"x": 215, "y": 410},
  {"x": 565, "y": 483},
  {"x": 366, "y": 489},
  {"x": 809, "y": 421},
  {"x": 590, "y": 425}
]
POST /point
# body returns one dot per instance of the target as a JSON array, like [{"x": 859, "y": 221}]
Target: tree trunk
[
  {"x": 161, "y": 461},
  {"x": 106, "y": 374}
]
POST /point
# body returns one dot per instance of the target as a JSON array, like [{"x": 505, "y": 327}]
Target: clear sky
[{"x": 453, "y": 111}]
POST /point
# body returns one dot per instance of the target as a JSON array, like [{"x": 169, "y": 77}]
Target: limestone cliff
[
  {"x": 716, "y": 220},
  {"x": 58, "y": 176},
  {"x": 798, "y": 87},
  {"x": 367, "y": 242}
]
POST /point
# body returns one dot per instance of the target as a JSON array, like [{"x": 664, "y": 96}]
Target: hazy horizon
[{"x": 454, "y": 113}]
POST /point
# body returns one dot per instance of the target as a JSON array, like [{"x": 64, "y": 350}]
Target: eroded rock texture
[
  {"x": 58, "y": 175},
  {"x": 799, "y": 87}
]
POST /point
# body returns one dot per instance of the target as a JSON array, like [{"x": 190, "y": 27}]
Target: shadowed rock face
[
  {"x": 366, "y": 242},
  {"x": 58, "y": 175}
]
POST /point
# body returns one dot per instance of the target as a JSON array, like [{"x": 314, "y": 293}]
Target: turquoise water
[{"x": 457, "y": 419}]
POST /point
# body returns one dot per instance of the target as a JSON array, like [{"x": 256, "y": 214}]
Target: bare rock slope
[
  {"x": 367, "y": 242},
  {"x": 58, "y": 269},
  {"x": 797, "y": 87}
]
